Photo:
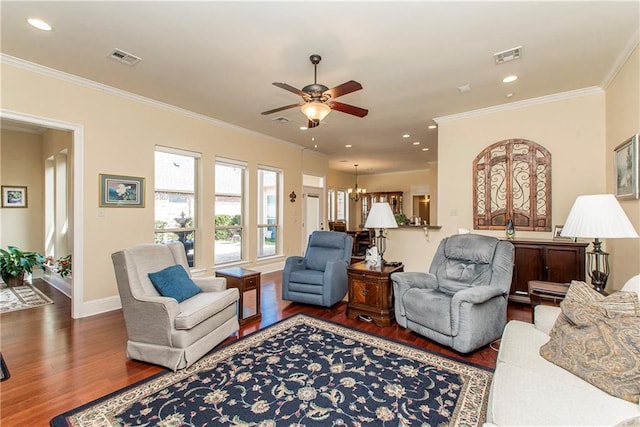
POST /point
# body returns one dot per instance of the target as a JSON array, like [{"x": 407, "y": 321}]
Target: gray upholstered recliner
[
  {"x": 462, "y": 301},
  {"x": 161, "y": 330},
  {"x": 320, "y": 277}
]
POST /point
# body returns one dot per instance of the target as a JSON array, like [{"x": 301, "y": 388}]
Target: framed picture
[
  {"x": 557, "y": 234},
  {"x": 626, "y": 169},
  {"x": 14, "y": 196},
  {"x": 557, "y": 231},
  {"x": 121, "y": 191}
]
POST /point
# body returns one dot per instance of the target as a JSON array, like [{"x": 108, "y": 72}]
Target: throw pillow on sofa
[{"x": 597, "y": 338}]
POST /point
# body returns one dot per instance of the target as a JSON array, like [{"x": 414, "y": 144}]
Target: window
[
  {"x": 175, "y": 198},
  {"x": 512, "y": 180},
  {"x": 268, "y": 211},
  {"x": 229, "y": 211}
]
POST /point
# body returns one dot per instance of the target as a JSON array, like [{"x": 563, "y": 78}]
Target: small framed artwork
[
  {"x": 557, "y": 231},
  {"x": 14, "y": 196},
  {"x": 626, "y": 169},
  {"x": 121, "y": 191}
]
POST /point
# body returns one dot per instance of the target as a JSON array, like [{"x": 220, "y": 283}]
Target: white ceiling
[{"x": 220, "y": 58}]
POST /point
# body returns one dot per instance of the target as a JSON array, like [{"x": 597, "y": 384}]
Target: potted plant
[{"x": 14, "y": 263}]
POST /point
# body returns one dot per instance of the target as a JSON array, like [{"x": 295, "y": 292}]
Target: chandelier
[{"x": 357, "y": 192}]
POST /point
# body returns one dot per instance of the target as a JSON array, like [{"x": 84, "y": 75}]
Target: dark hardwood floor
[{"x": 58, "y": 363}]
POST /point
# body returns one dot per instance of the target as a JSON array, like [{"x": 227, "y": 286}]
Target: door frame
[
  {"x": 321, "y": 194},
  {"x": 77, "y": 143}
]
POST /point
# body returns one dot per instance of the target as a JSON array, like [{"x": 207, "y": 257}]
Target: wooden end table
[
  {"x": 245, "y": 280},
  {"x": 371, "y": 293},
  {"x": 546, "y": 293}
]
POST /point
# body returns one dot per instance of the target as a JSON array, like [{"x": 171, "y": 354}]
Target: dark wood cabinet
[
  {"x": 371, "y": 293},
  {"x": 559, "y": 261}
]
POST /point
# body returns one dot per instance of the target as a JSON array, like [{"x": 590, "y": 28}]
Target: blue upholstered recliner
[
  {"x": 320, "y": 277},
  {"x": 462, "y": 301}
]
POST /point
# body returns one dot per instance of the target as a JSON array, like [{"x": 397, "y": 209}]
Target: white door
[{"x": 313, "y": 221}]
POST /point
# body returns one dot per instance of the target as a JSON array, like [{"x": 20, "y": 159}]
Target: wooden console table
[
  {"x": 559, "y": 261},
  {"x": 246, "y": 281},
  {"x": 371, "y": 293}
]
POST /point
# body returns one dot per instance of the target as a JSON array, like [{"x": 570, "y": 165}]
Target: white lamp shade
[
  {"x": 315, "y": 110},
  {"x": 598, "y": 216},
  {"x": 381, "y": 216}
]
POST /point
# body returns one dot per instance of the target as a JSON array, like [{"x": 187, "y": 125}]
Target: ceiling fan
[{"x": 319, "y": 99}]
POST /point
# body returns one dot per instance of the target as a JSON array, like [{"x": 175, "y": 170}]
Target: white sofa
[{"x": 527, "y": 390}]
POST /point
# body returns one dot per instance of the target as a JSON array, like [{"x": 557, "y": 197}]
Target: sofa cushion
[
  {"x": 597, "y": 338},
  {"x": 524, "y": 382},
  {"x": 174, "y": 282},
  {"x": 203, "y": 306}
]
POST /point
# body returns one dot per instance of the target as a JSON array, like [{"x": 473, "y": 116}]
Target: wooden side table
[
  {"x": 546, "y": 293},
  {"x": 371, "y": 293},
  {"x": 246, "y": 281}
]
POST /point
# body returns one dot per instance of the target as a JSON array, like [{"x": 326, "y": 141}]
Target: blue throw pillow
[{"x": 174, "y": 282}]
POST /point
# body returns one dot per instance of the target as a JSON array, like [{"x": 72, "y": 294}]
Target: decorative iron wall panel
[{"x": 512, "y": 180}]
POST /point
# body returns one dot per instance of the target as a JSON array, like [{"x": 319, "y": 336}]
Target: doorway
[
  {"x": 73, "y": 194},
  {"x": 312, "y": 215}
]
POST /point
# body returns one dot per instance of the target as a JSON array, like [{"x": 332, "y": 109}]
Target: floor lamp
[
  {"x": 598, "y": 216},
  {"x": 381, "y": 217}
]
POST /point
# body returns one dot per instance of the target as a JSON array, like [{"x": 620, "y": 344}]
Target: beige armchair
[{"x": 160, "y": 329}]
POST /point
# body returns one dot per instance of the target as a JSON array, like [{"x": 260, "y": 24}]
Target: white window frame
[
  {"x": 196, "y": 202},
  {"x": 243, "y": 216},
  {"x": 278, "y": 214}
]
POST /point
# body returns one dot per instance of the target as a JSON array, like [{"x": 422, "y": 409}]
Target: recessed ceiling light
[
  {"x": 303, "y": 128},
  {"x": 432, "y": 127},
  {"x": 348, "y": 146},
  {"x": 315, "y": 146},
  {"x": 39, "y": 24},
  {"x": 406, "y": 135},
  {"x": 510, "y": 79},
  {"x": 509, "y": 95},
  {"x": 425, "y": 149},
  {"x": 416, "y": 143}
]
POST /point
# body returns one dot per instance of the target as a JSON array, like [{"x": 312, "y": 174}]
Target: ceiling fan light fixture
[{"x": 315, "y": 110}]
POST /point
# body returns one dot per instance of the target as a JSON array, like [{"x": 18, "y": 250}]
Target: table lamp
[
  {"x": 381, "y": 217},
  {"x": 598, "y": 216}
]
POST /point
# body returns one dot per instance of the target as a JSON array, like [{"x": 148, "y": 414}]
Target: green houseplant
[{"x": 14, "y": 263}]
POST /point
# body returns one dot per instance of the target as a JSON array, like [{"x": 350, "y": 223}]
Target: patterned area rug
[
  {"x": 302, "y": 371},
  {"x": 20, "y": 297}
]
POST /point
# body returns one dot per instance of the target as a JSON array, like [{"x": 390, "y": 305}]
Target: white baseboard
[
  {"x": 60, "y": 283},
  {"x": 99, "y": 306}
]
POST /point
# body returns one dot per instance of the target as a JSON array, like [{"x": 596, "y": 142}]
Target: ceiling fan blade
[
  {"x": 275, "y": 110},
  {"x": 290, "y": 88},
  {"x": 349, "y": 109},
  {"x": 343, "y": 89},
  {"x": 313, "y": 123}
]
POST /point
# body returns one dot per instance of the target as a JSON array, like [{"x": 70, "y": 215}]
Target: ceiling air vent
[
  {"x": 281, "y": 119},
  {"x": 124, "y": 57},
  {"x": 508, "y": 55}
]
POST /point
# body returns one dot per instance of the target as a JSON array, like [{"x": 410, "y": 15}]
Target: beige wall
[
  {"x": 623, "y": 121},
  {"x": 20, "y": 155},
  {"x": 120, "y": 136},
  {"x": 572, "y": 129}
]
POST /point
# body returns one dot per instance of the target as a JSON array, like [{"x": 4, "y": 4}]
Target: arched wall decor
[{"x": 512, "y": 180}]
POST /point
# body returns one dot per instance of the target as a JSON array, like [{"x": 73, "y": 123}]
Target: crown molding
[
  {"x": 81, "y": 81},
  {"x": 633, "y": 43},
  {"x": 521, "y": 104}
]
